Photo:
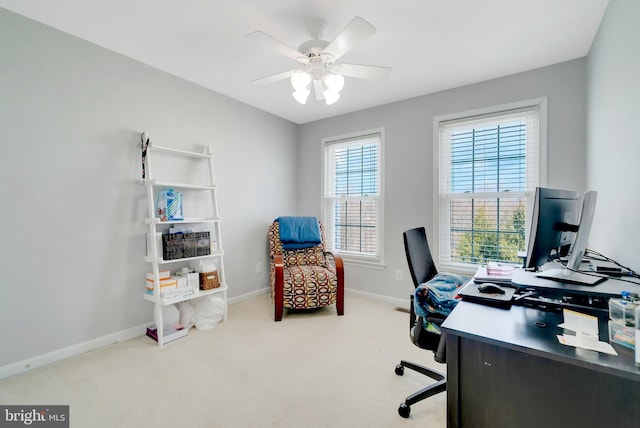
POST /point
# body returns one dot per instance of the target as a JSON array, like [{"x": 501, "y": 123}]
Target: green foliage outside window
[{"x": 485, "y": 242}]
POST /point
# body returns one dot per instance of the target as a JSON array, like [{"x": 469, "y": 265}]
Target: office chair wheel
[
  {"x": 404, "y": 410},
  {"x": 399, "y": 369}
]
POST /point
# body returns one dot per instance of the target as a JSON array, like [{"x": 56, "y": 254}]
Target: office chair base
[
  {"x": 404, "y": 409},
  {"x": 420, "y": 369}
]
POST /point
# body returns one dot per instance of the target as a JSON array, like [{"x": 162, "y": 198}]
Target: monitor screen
[{"x": 552, "y": 225}]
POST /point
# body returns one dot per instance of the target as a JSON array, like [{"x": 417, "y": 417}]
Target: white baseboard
[
  {"x": 131, "y": 333},
  {"x": 93, "y": 344},
  {"x": 379, "y": 297},
  {"x": 71, "y": 351},
  {"x": 247, "y": 296}
]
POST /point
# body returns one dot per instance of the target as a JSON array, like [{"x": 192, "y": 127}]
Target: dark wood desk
[{"x": 506, "y": 368}]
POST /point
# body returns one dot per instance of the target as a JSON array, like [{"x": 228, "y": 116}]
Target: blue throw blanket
[
  {"x": 438, "y": 296},
  {"x": 299, "y": 232}
]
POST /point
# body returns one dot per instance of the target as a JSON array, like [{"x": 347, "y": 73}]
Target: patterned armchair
[{"x": 304, "y": 278}]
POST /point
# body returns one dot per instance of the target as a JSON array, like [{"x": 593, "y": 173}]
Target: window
[
  {"x": 489, "y": 165},
  {"x": 353, "y": 197}
]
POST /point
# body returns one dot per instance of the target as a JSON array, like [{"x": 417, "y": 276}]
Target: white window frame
[
  {"x": 374, "y": 261},
  {"x": 440, "y": 203}
]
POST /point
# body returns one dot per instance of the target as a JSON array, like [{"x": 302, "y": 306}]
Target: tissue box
[
  {"x": 164, "y": 274},
  {"x": 193, "y": 279},
  {"x": 165, "y": 284},
  {"x": 181, "y": 281}
]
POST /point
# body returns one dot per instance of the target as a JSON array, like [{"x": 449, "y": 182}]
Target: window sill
[
  {"x": 460, "y": 268},
  {"x": 372, "y": 263}
]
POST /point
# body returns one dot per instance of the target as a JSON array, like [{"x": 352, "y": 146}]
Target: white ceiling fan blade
[
  {"x": 372, "y": 72},
  {"x": 275, "y": 44},
  {"x": 355, "y": 32},
  {"x": 317, "y": 87},
  {"x": 273, "y": 78}
]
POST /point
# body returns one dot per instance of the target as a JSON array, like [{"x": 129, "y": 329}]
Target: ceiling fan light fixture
[
  {"x": 330, "y": 96},
  {"x": 334, "y": 82},
  {"x": 300, "y": 79},
  {"x": 319, "y": 70},
  {"x": 301, "y": 95}
]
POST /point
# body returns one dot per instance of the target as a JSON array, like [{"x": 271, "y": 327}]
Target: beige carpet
[{"x": 310, "y": 370}]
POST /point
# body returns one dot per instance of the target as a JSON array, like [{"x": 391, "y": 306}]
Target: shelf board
[
  {"x": 180, "y": 152},
  {"x": 154, "y": 182},
  {"x": 200, "y": 293},
  {"x": 186, "y": 220},
  {"x": 162, "y": 261}
]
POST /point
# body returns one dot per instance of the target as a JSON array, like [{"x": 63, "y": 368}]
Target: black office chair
[{"x": 422, "y": 269}]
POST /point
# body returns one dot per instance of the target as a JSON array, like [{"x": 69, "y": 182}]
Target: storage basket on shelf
[
  {"x": 209, "y": 280},
  {"x": 185, "y": 245}
]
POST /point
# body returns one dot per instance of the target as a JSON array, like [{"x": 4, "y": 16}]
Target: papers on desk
[
  {"x": 495, "y": 268},
  {"x": 586, "y": 329},
  {"x": 497, "y": 277}
]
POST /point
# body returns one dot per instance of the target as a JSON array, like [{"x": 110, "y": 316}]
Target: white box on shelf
[
  {"x": 164, "y": 274},
  {"x": 165, "y": 285},
  {"x": 169, "y": 335},
  {"x": 181, "y": 280}
]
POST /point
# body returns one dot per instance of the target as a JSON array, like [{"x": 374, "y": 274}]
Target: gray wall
[
  {"x": 613, "y": 164},
  {"x": 409, "y": 154},
  {"x": 72, "y": 246}
]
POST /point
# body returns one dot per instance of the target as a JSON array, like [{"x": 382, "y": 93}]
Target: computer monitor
[
  {"x": 578, "y": 249},
  {"x": 579, "y": 246},
  {"x": 552, "y": 225}
]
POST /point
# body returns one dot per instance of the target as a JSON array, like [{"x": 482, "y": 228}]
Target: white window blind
[
  {"x": 352, "y": 196},
  {"x": 489, "y": 167}
]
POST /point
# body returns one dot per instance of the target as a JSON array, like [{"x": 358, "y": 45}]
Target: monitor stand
[{"x": 571, "y": 277}]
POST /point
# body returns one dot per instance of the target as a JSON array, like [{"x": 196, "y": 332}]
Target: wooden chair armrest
[
  {"x": 278, "y": 286},
  {"x": 339, "y": 265}
]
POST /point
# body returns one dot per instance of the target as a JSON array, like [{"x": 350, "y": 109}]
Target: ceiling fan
[{"x": 317, "y": 59}]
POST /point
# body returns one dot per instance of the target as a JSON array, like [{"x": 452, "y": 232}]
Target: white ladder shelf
[{"x": 155, "y": 226}]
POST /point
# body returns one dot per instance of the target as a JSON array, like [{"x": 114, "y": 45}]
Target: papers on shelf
[{"x": 587, "y": 334}]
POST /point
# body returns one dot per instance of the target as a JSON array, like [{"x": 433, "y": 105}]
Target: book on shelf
[
  {"x": 173, "y": 294},
  {"x": 169, "y": 334}
]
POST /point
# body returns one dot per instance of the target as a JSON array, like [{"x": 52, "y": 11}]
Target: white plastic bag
[
  {"x": 187, "y": 312},
  {"x": 170, "y": 317},
  {"x": 209, "y": 311},
  {"x": 169, "y": 205}
]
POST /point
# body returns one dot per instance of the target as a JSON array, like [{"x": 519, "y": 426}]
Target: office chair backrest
[
  {"x": 422, "y": 269},
  {"x": 421, "y": 263}
]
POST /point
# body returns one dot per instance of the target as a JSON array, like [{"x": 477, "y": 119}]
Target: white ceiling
[{"x": 432, "y": 45}]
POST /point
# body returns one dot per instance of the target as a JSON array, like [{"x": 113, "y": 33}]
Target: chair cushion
[
  {"x": 300, "y": 257},
  {"x": 309, "y": 287},
  {"x": 299, "y": 232}
]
